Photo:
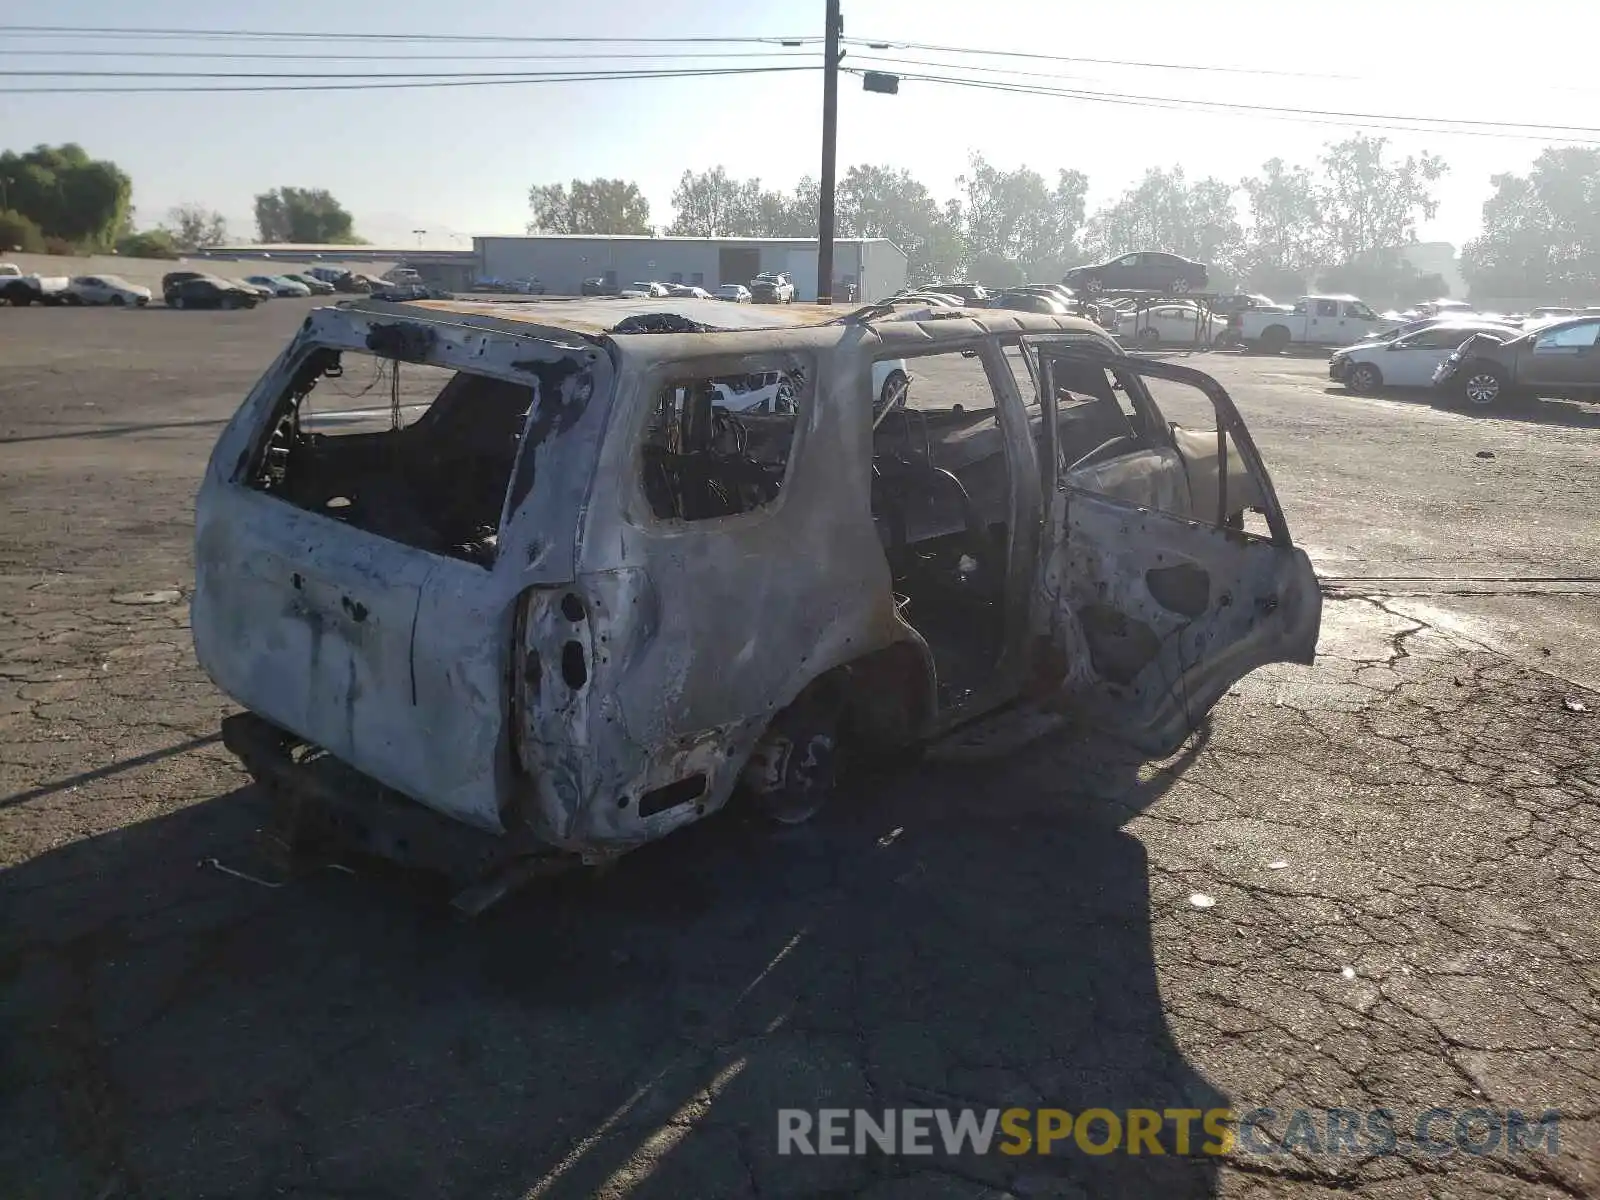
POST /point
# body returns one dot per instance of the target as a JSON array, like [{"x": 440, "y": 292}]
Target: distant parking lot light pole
[{"x": 419, "y": 233}]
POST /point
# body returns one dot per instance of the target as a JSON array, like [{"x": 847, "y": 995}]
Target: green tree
[
  {"x": 1286, "y": 241},
  {"x": 1541, "y": 231},
  {"x": 151, "y": 243},
  {"x": 1016, "y": 217},
  {"x": 193, "y": 227},
  {"x": 888, "y": 203},
  {"x": 1371, "y": 205},
  {"x": 304, "y": 215},
  {"x": 1165, "y": 212},
  {"x": 69, "y": 196},
  {"x": 18, "y": 233},
  {"x": 713, "y": 204},
  {"x": 597, "y": 206}
]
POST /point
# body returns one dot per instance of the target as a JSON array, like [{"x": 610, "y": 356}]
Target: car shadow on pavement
[
  {"x": 943, "y": 939},
  {"x": 1539, "y": 411}
]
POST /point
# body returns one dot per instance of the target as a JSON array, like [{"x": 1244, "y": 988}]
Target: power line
[
  {"x": 1280, "y": 112},
  {"x": 486, "y": 76},
  {"x": 402, "y": 56},
  {"x": 570, "y": 77},
  {"x": 307, "y": 35},
  {"x": 972, "y": 51}
]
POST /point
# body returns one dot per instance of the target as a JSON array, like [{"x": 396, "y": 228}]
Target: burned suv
[{"x": 506, "y": 586}]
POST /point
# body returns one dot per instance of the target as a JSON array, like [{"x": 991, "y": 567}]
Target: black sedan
[
  {"x": 208, "y": 293},
  {"x": 1149, "y": 271}
]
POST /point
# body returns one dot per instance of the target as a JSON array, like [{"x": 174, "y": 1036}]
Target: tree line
[
  {"x": 1342, "y": 223},
  {"x": 58, "y": 200}
]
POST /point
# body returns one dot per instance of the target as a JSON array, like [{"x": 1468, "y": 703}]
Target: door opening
[{"x": 941, "y": 498}]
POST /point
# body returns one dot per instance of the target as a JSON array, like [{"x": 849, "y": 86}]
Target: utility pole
[{"x": 830, "y": 137}]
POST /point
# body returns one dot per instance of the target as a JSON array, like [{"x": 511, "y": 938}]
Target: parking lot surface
[{"x": 1402, "y": 844}]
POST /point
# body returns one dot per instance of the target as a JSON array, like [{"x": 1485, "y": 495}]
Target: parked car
[
  {"x": 1313, "y": 321},
  {"x": 279, "y": 285},
  {"x": 1058, "y": 290},
  {"x": 262, "y": 292},
  {"x": 1544, "y": 314},
  {"x": 686, "y": 291},
  {"x": 106, "y": 289},
  {"x": 402, "y": 275},
  {"x": 734, "y": 293},
  {"x": 493, "y": 677},
  {"x": 200, "y": 291},
  {"x": 1035, "y": 302},
  {"x": 1183, "y": 324},
  {"x": 772, "y": 288},
  {"x": 596, "y": 286},
  {"x": 1560, "y": 360},
  {"x": 317, "y": 287},
  {"x": 342, "y": 280},
  {"x": 21, "y": 290},
  {"x": 644, "y": 290},
  {"x": 1103, "y": 315},
  {"x": 1152, "y": 271},
  {"x": 1246, "y": 301},
  {"x": 172, "y": 279},
  {"x": 936, "y": 299},
  {"x": 531, "y": 286},
  {"x": 1445, "y": 308},
  {"x": 1410, "y": 359},
  {"x": 971, "y": 295},
  {"x": 396, "y": 293},
  {"x": 775, "y": 391}
]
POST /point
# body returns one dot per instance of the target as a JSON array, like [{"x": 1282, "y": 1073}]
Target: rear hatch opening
[{"x": 415, "y": 453}]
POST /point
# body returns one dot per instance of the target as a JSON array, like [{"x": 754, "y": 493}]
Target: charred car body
[{"x": 548, "y": 600}]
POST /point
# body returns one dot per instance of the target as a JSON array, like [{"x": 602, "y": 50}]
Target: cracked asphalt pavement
[{"x": 1402, "y": 842}]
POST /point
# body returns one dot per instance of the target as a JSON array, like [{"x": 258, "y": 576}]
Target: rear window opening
[{"x": 417, "y": 454}]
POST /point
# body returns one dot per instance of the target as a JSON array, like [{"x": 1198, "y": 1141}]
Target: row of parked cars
[
  {"x": 763, "y": 289},
  {"x": 1482, "y": 360},
  {"x": 198, "y": 289}
]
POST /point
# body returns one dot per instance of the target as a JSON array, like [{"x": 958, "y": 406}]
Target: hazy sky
[{"x": 459, "y": 161}]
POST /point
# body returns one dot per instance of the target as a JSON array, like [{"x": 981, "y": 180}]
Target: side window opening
[
  {"x": 414, "y": 453},
  {"x": 1327, "y": 308},
  {"x": 1191, "y": 411},
  {"x": 719, "y": 445},
  {"x": 1095, "y": 405}
]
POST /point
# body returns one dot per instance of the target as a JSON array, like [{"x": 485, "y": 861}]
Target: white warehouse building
[{"x": 874, "y": 267}]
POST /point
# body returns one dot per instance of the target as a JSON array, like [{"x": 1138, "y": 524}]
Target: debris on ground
[
  {"x": 1277, "y": 864},
  {"x": 1485, "y": 453},
  {"x": 163, "y": 596},
  {"x": 1201, "y": 900},
  {"x": 227, "y": 870},
  {"x": 1572, "y": 705}
]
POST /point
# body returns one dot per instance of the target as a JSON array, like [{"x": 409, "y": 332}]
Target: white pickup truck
[
  {"x": 1313, "y": 321},
  {"x": 23, "y": 290}
]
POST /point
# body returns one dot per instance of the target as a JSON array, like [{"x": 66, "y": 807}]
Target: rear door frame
[{"x": 1196, "y": 654}]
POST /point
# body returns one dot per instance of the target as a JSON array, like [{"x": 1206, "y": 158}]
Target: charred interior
[
  {"x": 414, "y": 453},
  {"x": 941, "y": 500},
  {"x": 719, "y": 446}
]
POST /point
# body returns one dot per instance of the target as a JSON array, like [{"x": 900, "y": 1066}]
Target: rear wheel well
[{"x": 884, "y": 700}]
